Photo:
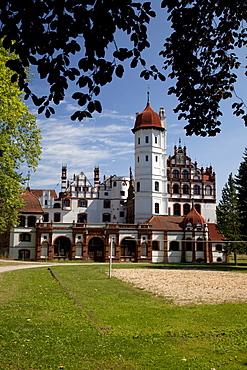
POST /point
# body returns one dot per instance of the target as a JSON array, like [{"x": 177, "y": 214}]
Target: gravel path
[{"x": 188, "y": 287}]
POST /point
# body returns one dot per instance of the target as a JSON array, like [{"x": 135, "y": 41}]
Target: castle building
[{"x": 164, "y": 213}]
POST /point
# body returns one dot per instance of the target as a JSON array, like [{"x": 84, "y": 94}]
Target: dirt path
[{"x": 188, "y": 287}]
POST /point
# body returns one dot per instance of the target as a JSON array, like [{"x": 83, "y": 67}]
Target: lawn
[{"x": 81, "y": 319}]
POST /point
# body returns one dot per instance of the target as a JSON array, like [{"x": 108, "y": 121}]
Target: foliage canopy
[
  {"x": 19, "y": 143},
  {"x": 201, "y": 51}
]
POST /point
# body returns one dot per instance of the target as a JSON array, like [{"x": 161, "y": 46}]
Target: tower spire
[{"x": 148, "y": 95}]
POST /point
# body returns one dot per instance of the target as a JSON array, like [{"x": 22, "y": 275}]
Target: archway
[
  {"x": 128, "y": 249},
  {"x": 62, "y": 247},
  {"x": 96, "y": 250}
]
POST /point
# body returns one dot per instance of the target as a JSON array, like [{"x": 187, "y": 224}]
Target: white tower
[{"x": 150, "y": 164}]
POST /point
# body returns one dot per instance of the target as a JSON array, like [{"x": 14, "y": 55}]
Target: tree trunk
[{"x": 235, "y": 259}]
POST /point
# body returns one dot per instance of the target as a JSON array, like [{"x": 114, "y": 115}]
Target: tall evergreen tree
[
  {"x": 228, "y": 217},
  {"x": 241, "y": 185}
]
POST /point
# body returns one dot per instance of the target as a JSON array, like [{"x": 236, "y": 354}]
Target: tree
[
  {"x": 228, "y": 218},
  {"x": 19, "y": 144},
  {"x": 241, "y": 185},
  {"x": 201, "y": 51}
]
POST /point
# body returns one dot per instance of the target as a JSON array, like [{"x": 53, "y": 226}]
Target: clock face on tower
[{"x": 180, "y": 158}]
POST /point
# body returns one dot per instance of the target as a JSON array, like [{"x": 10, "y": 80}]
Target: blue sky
[{"x": 106, "y": 140}]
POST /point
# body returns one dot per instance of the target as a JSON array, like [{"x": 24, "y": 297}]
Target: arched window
[
  {"x": 196, "y": 189},
  {"x": 188, "y": 244},
  {"x": 155, "y": 245},
  {"x": 57, "y": 217},
  {"x": 107, "y": 203},
  {"x": 144, "y": 249},
  {"x": 146, "y": 139},
  {"x": 138, "y": 186},
  {"x": 156, "y": 208},
  {"x": 185, "y": 174},
  {"x": 174, "y": 246},
  {"x": 208, "y": 190},
  {"x": 31, "y": 221},
  {"x": 156, "y": 186},
  {"x": 22, "y": 221},
  {"x": 186, "y": 209},
  {"x": 198, "y": 208},
  {"x": 177, "y": 209},
  {"x": 175, "y": 189},
  {"x": 175, "y": 174},
  {"x": 106, "y": 217},
  {"x": 218, "y": 247},
  {"x": 200, "y": 245},
  {"x": 185, "y": 189},
  {"x": 56, "y": 205},
  {"x": 46, "y": 217}
]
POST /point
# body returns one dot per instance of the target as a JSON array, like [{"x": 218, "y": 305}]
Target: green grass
[{"x": 92, "y": 322}]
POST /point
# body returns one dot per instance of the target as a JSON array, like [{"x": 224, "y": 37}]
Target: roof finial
[
  {"x": 28, "y": 179},
  {"x": 148, "y": 94},
  {"x": 179, "y": 145}
]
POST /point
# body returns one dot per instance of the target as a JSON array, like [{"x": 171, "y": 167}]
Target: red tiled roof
[
  {"x": 39, "y": 192},
  {"x": 148, "y": 119},
  {"x": 214, "y": 233},
  {"x": 194, "y": 218},
  {"x": 31, "y": 203},
  {"x": 166, "y": 223}
]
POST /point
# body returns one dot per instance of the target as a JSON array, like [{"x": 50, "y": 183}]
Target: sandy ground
[{"x": 188, "y": 287}]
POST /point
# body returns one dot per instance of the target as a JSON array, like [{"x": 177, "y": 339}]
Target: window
[
  {"x": 146, "y": 139},
  {"x": 174, "y": 246},
  {"x": 82, "y": 218},
  {"x": 114, "y": 183},
  {"x": 196, "y": 189},
  {"x": 121, "y": 214},
  {"x": 82, "y": 203},
  {"x": 156, "y": 158},
  {"x": 177, "y": 209},
  {"x": 46, "y": 217},
  {"x": 200, "y": 244},
  {"x": 186, "y": 209},
  {"x": 22, "y": 221},
  {"x": 46, "y": 203},
  {"x": 175, "y": 174},
  {"x": 156, "y": 140},
  {"x": 156, "y": 186},
  {"x": 138, "y": 140},
  {"x": 155, "y": 245},
  {"x": 185, "y": 189},
  {"x": 144, "y": 249},
  {"x": 122, "y": 202},
  {"x": 107, "y": 203},
  {"x": 106, "y": 217},
  {"x": 122, "y": 193},
  {"x": 185, "y": 174},
  {"x": 57, "y": 217},
  {"x": 85, "y": 188},
  {"x": 138, "y": 186},
  {"x": 188, "y": 244},
  {"x": 218, "y": 247},
  {"x": 156, "y": 208},
  {"x": 66, "y": 203},
  {"x": 198, "y": 208},
  {"x": 31, "y": 221},
  {"x": 208, "y": 190},
  {"x": 146, "y": 158},
  {"x": 25, "y": 237},
  {"x": 105, "y": 193},
  {"x": 56, "y": 205},
  {"x": 138, "y": 159},
  {"x": 175, "y": 189}
]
